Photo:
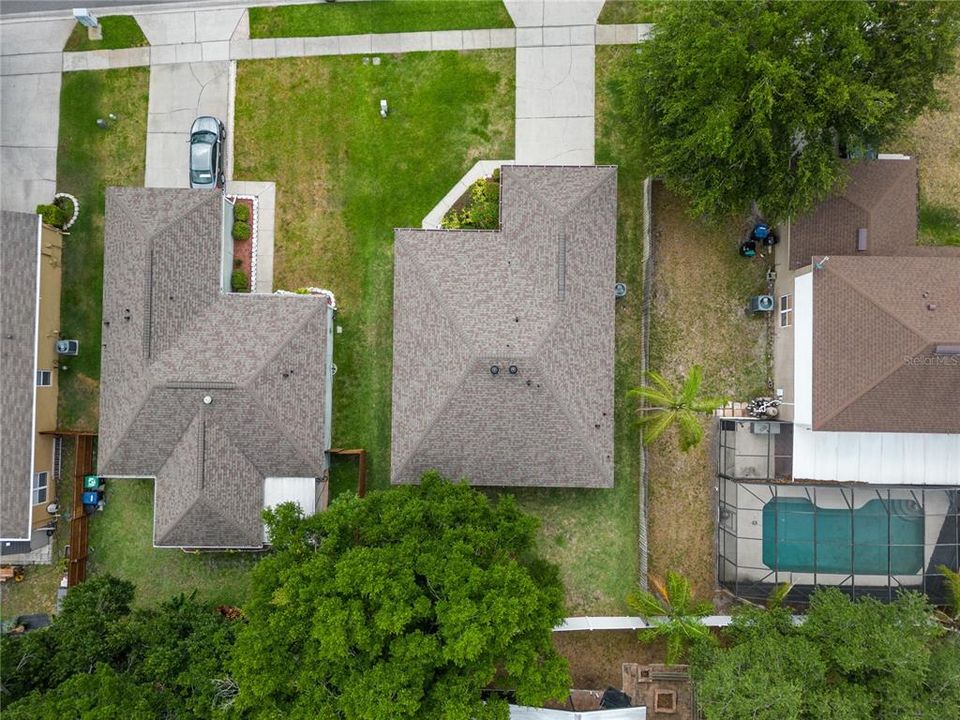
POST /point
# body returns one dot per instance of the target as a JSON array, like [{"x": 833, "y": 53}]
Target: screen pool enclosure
[{"x": 865, "y": 539}]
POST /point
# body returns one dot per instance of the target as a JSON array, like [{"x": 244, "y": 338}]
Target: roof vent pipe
[{"x": 494, "y": 369}]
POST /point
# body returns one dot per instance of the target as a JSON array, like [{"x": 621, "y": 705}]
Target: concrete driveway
[
  {"x": 178, "y": 94},
  {"x": 30, "y": 111}
]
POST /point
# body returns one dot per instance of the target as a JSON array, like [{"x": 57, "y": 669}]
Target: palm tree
[
  {"x": 673, "y": 614},
  {"x": 951, "y": 580},
  {"x": 778, "y": 595},
  {"x": 665, "y": 404}
]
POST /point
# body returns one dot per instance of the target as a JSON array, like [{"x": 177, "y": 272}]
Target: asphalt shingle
[
  {"x": 536, "y": 295},
  {"x": 172, "y": 340}
]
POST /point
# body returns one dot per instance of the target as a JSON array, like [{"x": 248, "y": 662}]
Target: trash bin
[
  {"x": 91, "y": 498},
  {"x": 91, "y": 482}
]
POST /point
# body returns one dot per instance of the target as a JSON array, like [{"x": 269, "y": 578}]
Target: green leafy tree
[
  {"x": 404, "y": 604},
  {"x": 103, "y": 694},
  {"x": 847, "y": 661},
  {"x": 665, "y": 405},
  {"x": 674, "y": 614},
  {"x": 172, "y": 656},
  {"x": 736, "y": 103}
]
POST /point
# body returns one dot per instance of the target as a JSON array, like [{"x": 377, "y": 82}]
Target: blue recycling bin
[{"x": 91, "y": 498}]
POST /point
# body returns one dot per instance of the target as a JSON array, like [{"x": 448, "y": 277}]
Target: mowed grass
[
  {"x": 934, "y": 139},
  {"x": 617, "y": 12},
  {"x": 121, "y": 543},
  {"x": 346, "y": 178},
  {"x": 376, "y": 16},
  {"x": 700, "y": 290},
  {"x": 119, "y": 31},
  {"x": 88, "y": 161}
]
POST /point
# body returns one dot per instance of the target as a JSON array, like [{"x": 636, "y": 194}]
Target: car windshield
[
  {"x": 201, "y": 176},
  {"x": 207, "y": 138}
]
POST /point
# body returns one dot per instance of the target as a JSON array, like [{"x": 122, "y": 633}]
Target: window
[
  {"x": 44, "y": 378},
  {"x": 39, "y": 488},
  {"x": 786, "y": 310}
]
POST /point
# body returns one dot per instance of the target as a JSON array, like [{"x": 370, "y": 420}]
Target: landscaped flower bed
[
  {"x": 478, "y": 208},
  {"x": 242, "y": 233}
]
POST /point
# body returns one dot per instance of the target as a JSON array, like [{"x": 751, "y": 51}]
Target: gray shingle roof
[
  {"x": 875, "y": 366},
  {"x": 537, "y": 294},
  {"x": 19, "y": 255},
  {"x": 170, "y": 339}
]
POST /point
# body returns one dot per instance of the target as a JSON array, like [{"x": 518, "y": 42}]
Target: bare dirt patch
[{"x": 596, "y": 656}]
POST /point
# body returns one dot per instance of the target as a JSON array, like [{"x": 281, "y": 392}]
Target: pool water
[{"x": 798, "y": 536}]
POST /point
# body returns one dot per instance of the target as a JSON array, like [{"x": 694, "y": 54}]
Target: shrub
[
  {"x": 241, "y": 212},
  {"x": 237, "y": 262},
  {"x": 239, "y": 281},
  {"x": 482, "y": 210},
  {"x": 53, "y": 215},
  {"x": 241, "y": 230}
]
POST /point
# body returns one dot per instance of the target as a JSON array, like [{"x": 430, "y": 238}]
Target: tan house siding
[
  {"x": 48, "y": 322},
  {"x": 43, "y": 462},
  {"x": 51, "y": 243}
]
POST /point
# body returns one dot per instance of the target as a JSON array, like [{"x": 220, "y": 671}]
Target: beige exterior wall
[
  {"x": 51, "y": 244},
  {"x": 43, "y": 462},
  {"x": 783, "y": 336}
]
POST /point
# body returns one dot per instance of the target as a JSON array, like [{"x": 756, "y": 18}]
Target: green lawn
[
  {"x": 616, "y": 12},
  {"x": 347, "y": 178},
  {"x": 121, "y": 543},
  {"x": 119, "y": 31},
  {"x": 939, "y": 224},
  {"x": 376, "y": 16},
  {"x": 90, "y": 159}
]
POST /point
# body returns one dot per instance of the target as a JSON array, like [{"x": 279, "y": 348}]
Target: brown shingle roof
[
  {"x": 881, "y": 196},
  {"x": 170, "y": 338},
  {"x": 19, "y": 255},
  {"x": 875, "y": 367},
  {"x": 537, "y": 294}
]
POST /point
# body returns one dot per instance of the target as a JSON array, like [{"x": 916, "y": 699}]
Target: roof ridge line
[
  {"x": 894, "y": 367},
  {"x": 428, "y": 283},
  {"x": 280, "y": 428},
  {"x": 435, "y": 419},
  {"x": 889, "y": 189},
  {"x": 575, "y": 426},
  {"x": 148, "y": 299}
]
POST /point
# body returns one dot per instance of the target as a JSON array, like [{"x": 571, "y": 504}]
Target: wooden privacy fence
[{"x": 79, "y": 521}]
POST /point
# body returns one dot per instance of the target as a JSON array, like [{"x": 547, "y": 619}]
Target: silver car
[{"x": 206, "y": 153}]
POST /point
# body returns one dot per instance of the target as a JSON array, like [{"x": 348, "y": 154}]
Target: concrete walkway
[{"x": 555, "y": 80}]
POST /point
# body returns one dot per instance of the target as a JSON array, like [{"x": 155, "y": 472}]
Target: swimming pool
[{"x": 882, "y": 537}]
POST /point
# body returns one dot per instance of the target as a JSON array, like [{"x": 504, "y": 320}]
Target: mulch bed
[{"x": 243, "y": 249}]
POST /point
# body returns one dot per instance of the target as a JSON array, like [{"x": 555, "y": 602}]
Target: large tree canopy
[
  {"x": 743, "y": 102},
  {"x": 849, "y": 660},
  {"x": 100, "y": 656},
  {"x": 403, "y": 604}
]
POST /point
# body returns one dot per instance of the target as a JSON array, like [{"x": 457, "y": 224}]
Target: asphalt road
[{"x": 11, "y": 7}]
